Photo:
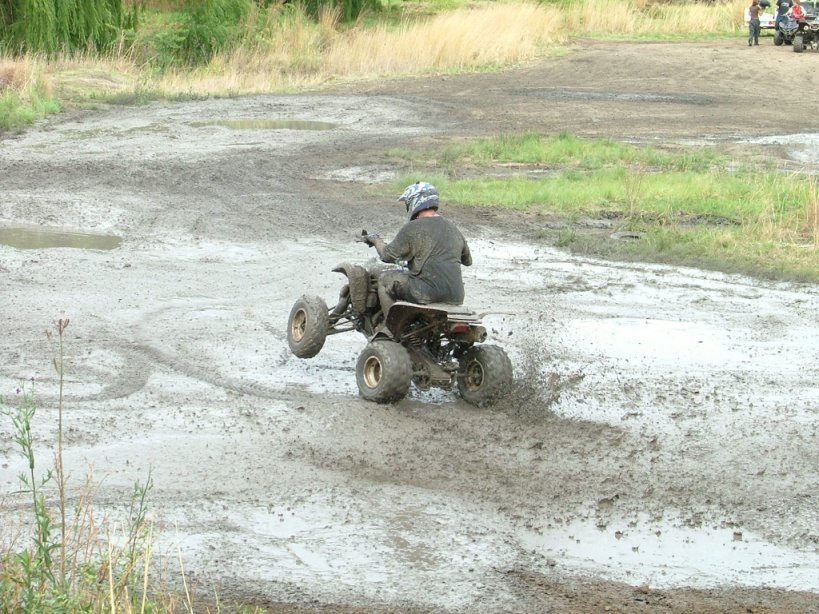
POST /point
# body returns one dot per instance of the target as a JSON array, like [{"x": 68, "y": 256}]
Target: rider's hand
[{"x": 367, "y": 238}]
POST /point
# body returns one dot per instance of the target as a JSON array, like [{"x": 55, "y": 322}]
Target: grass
[
  {"x": 25, "y": 93},
  {"x": 689, "y": 207}
]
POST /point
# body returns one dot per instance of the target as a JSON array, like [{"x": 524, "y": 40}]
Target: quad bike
[
  {"x": 807, "y": 36},
  {"x": 434, "y": 345},
  {"x": 786, "y": 31}
]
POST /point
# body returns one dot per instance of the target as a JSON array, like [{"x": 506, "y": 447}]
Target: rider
[
  {"x": 433, "y": 248},
  {"x": 797, "y": 12},
  {"x": 782, "y": 8}
]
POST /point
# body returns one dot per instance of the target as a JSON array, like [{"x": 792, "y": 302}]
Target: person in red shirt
[{"x": 797, "y": 12}]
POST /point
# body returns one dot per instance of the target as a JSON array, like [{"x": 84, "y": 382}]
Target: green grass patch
[
  {"x": 17, "y": 111},
  {"x": 563, "y": 150},
  {"x": 688, "y": 206}
]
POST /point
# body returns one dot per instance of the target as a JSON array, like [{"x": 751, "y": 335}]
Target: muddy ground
[{"x": 659, "y": 451}]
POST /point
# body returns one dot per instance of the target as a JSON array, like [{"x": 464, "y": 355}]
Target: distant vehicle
[
  {"x": 811, "y": 9},
  {"x": 807, "y": 36},
  {"x": 787, "y": 30}
]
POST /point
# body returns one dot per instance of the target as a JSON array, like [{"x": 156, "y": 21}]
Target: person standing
[
  {"x": 782, "y": 8},
  {"x": 753, "y": 23}
]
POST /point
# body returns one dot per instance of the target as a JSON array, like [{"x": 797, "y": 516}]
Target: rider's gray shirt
[{"x": 434, "y": 250}]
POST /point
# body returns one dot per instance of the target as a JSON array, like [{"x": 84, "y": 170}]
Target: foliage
[
  {"x": 350, "y": 10},
  {"x": 18, "y": 110},
  {"x": 196, "y": 34},
  {"x": 52, "y": 26}
]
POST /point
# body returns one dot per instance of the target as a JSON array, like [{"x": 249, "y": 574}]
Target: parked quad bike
[
  {"x": 786, "y": 31},
  {"x": 807, "y": 36},
  {"x": 435, "y": 345}
]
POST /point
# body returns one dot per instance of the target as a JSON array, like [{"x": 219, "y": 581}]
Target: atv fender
[
  {"x": 358, "y": 279},
  {"x": 402, "y": 313}
]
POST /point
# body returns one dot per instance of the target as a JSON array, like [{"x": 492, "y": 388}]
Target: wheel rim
[
  {"x": 299, "y": 325},
  {"x": 372, "y": 372},
  {"x": 473, "y": 375}
]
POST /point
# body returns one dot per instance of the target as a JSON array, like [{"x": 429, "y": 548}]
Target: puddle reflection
[{"x": 25, "y": 238}]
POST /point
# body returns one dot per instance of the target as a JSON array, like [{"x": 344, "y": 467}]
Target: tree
[{"x": 52, "y": 26}]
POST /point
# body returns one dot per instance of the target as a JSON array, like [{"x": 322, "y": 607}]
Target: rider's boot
[{"x": 343, "y": 300}]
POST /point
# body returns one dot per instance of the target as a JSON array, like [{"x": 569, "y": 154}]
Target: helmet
[{"x": 419, "y": 196}]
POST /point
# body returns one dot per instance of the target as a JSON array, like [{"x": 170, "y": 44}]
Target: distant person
[
  {"x": 782, "y": 8},
  {"x": 797, "y": 12},
  {"x": 754, "y": 11}
]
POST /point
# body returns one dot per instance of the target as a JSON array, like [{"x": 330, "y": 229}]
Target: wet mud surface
[{"x": 659, "y": 451}]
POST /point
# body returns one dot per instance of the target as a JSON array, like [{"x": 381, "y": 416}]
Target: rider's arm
[
  {"x": 381, "y": 248},
  {"x": 397, "y": 250}
]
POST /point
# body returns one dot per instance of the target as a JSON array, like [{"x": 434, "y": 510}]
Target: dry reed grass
[
  {"x": 637, "y": 17},
  {"x": 19, "y": 74},
  {"x": 305, "y": 54}
]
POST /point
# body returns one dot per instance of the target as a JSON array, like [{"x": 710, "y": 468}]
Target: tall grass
[
  {"x": 637, "y": 17},
  {"x": 468, "y": 38},
  {"x": 25, "y": 92},
  {"x": 297, "y": 51}
]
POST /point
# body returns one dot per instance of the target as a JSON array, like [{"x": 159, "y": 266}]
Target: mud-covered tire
[
  {"x": 383, "y": 372},
  {"x": 307, "y": 326},
  {"x": 484, "y": 375},
  {"x": 779, "y": 38},
  {"x": 798, "y": 44}
]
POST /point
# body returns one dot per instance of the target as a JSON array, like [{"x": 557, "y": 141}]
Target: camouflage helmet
[{"x": 419, "y": 196}]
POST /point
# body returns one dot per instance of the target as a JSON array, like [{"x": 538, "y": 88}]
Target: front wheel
[
  {"x": 383, "y": 372},
  {"x": 778, "y": 38},
  {"x": 798, "y": 44},
  {"x": 485, "y": 374},
  {"x": 307, "y": 326}
]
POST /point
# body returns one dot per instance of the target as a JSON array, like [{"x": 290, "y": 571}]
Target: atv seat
[{"x": 455, "y": 312}]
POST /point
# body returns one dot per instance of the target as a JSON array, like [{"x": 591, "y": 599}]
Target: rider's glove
[{"x": 367, "y": 238}]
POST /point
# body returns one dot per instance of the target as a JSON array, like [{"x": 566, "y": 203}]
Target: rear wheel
[
  {"x": 383, "y": 372},
  {"x": 485, "y": 374},
  {"x": 307, "y": 326},
  {"x": 798, "y": 44}
]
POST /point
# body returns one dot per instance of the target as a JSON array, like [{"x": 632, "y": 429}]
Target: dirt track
[{"x": 659, "y": 453}]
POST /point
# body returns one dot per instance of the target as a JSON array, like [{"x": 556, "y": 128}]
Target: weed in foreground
[{"x": 65, "y": 565}]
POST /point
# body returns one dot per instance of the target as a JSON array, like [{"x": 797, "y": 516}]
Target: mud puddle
[
  {"x": 667, "y": 555},
  {"x": 266, "y": 124},
  {"x": 800, "y": 147},
  {"x": 27, "y": 238}
]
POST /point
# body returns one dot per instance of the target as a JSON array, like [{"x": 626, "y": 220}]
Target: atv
[
  {"x": 786, "y": 31},
  {"x": 807, "y": 36},
  {"x": 432, "y": 345}
]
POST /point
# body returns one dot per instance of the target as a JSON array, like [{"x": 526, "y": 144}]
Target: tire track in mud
[{"x": 201, "y": 373}]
